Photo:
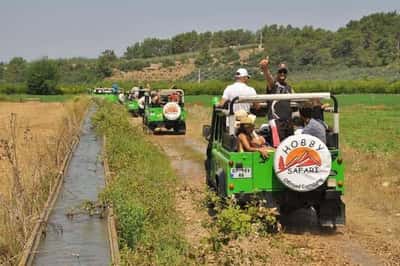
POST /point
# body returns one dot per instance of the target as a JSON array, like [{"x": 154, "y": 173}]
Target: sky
[{"x": 71, "y": 28}]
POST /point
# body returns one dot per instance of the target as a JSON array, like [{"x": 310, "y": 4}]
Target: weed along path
[
  {"x": 76, "y": 234},
  {"x": 302, "y": 242}
]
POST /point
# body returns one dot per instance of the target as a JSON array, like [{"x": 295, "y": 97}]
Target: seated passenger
[
  {"x": 298, "y": 125},
  {"x": 155, "y": 98},
  {"x": 174, "y": 97},
  {"x": 121, "y": 97},
  {"x": 312, "y": 126},
  {"x": 249, "y": 140}
]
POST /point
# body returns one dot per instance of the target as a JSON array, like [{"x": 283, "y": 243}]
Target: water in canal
[{"x": 80, "y": 239}]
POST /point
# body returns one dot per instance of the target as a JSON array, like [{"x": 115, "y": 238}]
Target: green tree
[
  {"x": 16, "y": 70},
  {"x": 109, "y": 55},
  {"x": 134, "y": 51},
  {"x": 105, "y": 64},
  {"x": 1, "y": 70},
  {"x": 42, "y": 77},
  {"x": 203, "y": 58},
  {"x": 229, "y": 56}
]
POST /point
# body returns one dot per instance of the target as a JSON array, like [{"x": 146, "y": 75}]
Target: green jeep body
[
  {"x": 154, "y": 116},
  {"x": 133, "y": 105},
  {"x": 223, "y": 159}
]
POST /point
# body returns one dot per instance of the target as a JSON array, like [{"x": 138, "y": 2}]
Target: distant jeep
[
  {"x": 165, "y": 109},
  {"x": 135, "y": 101}
]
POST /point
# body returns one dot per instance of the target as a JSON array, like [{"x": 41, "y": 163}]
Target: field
[
  {"x": 40, "y": 98},
  {"x": 34, "y": 137}
]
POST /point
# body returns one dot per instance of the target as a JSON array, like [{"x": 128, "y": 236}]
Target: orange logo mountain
[
  {"x": 299, "y": 157},
  {"x": 171, "y": 109}
]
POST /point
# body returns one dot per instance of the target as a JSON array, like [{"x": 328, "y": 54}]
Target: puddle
[{"x": 81, "y": 239}]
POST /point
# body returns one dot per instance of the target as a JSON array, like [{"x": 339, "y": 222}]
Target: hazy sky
[{"x": 67, "y": 28}]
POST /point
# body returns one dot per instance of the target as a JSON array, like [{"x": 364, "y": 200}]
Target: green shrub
[
  {"x": 168, "y": 62},
  {"x": 42, "y": 77},
  {"x": 232, "y": 220},
  {"x": 133, "y": 65},
  {"x": 12, "y": 88},
  {"x": 142, "y": 192}
]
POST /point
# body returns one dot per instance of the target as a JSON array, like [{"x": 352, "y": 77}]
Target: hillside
[{"x": 365, "y": 48}]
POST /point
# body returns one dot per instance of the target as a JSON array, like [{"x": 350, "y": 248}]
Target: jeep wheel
[{"x": 182, "y": 129}]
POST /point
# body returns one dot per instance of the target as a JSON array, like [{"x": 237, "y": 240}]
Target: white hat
[{"x": 241, "y": 72}]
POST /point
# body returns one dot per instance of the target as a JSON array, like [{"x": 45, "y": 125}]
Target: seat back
[{"x": 229, "y": 142}]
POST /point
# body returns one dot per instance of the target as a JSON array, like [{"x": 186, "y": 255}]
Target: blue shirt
[{"x": 316, "y": 129}]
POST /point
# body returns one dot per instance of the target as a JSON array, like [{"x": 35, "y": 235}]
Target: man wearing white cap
[{"x": 239, "y": 88}]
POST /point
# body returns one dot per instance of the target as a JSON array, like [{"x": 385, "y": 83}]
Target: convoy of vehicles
[{"x": 301, "y": 172}]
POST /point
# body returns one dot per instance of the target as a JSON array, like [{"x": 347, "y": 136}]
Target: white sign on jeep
[
  {"x": 302, "y": 162},
  {"x": 172, "y": 111}
]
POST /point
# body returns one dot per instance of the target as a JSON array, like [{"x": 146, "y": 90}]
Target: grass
[
  {"x": 34, "y": 137},
  {"x": 41, "y": 98},
  {"x": 142, "y": 193}
]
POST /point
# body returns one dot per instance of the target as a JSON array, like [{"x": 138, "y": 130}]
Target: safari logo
[{"x": 302, "y": 162}]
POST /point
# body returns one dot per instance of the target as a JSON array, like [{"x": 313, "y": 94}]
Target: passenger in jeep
[
  {"x": 313, "y": 127},
  {"x": 279, "y": 111},
  {"x": 249, "y": 140}
]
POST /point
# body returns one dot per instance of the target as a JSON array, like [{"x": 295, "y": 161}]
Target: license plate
[{"x": 240, "y": 172}]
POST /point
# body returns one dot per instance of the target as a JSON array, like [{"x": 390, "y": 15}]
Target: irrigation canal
[{"x": 78, "y": 238}]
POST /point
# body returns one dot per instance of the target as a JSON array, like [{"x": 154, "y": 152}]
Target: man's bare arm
[{"x": 267, "y": 74}]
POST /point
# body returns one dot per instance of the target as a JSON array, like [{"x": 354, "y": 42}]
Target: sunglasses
[{"x": 284, "y": 71}]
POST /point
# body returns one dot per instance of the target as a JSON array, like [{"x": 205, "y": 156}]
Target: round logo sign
[
  {"x": 302, "y": 162},
  {"x": 172, "y": 111}
]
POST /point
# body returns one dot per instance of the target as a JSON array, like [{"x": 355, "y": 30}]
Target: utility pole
[
  {"x": 199, "y": 76},
  {"x": 260, "y": 45}
]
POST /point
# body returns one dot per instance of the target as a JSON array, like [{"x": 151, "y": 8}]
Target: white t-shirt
[
  {"x": 239, "y": 89},
  {"x": 121, "y": 97}
]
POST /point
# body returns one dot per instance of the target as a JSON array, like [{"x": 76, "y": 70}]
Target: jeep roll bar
[
  {"x": 278, "y": 97},
  {"x": 298, "y": 97}
]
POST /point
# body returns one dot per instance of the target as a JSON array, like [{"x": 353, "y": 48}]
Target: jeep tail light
[
  {"x": 230, "y": 163},
  {"x": 231, "y": 186},
  {"x": 331, "y": 182}
]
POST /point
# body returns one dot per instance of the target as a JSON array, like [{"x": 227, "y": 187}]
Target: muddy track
[{"x": 302, "y": 241}]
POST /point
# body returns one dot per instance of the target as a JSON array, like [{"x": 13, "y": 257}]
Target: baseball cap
[
  {"x": 242, "y": 72},
  {"x": 282, "y": 66}
]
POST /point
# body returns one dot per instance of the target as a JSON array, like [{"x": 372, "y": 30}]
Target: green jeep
[
  {"x": 301, "y": 172},
  {"x": 106, "y": 93},
  {"x": 165, "y": 110},
  {"x": 134, "y": 104}
]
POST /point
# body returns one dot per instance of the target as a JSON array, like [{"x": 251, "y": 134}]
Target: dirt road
[{"x": 302, "y": 242}]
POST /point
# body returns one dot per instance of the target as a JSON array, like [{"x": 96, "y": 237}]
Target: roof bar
[{"x": 288, "y": 96}]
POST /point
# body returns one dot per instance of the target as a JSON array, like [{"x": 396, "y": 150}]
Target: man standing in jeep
[
  {"x": 278, "y": 111},
  {"x": 239, "y": 88}
]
